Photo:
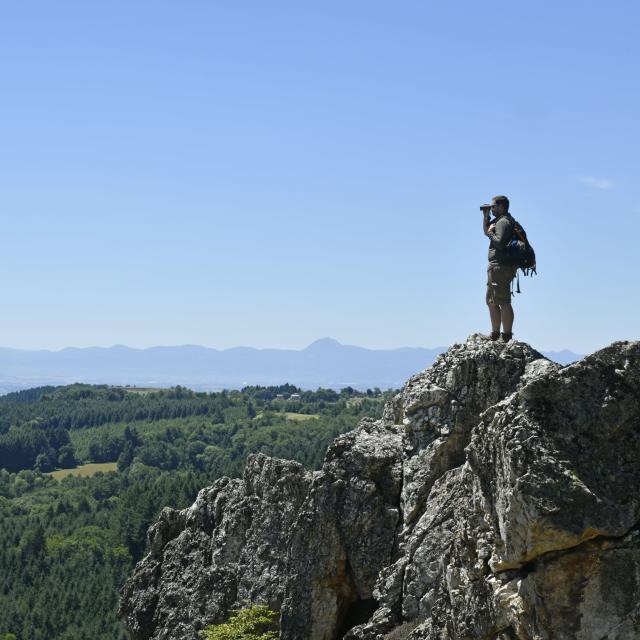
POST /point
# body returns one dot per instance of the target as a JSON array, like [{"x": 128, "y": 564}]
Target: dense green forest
[{"x": 66, "y": 546}]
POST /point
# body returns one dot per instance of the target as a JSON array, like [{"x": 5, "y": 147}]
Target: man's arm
[
  {"x": 498, "y": 233},
  {"x": 486, "y": 227}
]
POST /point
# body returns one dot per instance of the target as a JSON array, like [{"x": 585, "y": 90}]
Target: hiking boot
[
  {"x": 507, "y": 336},
  {"x": 494, "y": 335}
]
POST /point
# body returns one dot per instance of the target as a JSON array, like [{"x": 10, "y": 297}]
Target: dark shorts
[{"x": 499, "y": 279}]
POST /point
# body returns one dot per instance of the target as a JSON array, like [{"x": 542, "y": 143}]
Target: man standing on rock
[{"x": 499, "y": 273}]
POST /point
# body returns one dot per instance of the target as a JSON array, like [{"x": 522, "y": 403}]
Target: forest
[{"x": 67, "y": 546}]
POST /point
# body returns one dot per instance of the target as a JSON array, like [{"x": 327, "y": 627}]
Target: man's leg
[
  {"x": 506, "y": 311},
  {"x": 495, "y": 315}
]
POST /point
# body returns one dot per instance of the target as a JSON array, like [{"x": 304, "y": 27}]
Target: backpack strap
[{"x": 516, "y": 277}]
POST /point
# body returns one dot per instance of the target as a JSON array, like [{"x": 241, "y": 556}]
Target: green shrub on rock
[{"x": 256, "y": 623}]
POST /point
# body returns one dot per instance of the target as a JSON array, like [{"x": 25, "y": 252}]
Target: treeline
[
  {"x": 36, "y": 425},
  {"x": 31, "y": 446},
  {"x": 78, "y": 406}
]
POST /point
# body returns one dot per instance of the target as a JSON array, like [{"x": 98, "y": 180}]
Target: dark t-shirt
[{"x": 499, "y": 239}]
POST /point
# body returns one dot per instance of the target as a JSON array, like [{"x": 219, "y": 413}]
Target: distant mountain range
[{"x": 324, "y": 363}]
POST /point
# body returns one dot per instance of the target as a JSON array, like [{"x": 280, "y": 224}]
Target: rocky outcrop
[
  {"x": 497, "y": 498},
  {"x": 229, "y": 547}
]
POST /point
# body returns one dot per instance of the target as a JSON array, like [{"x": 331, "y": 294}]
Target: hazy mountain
[{"x": 324, "y": 362}]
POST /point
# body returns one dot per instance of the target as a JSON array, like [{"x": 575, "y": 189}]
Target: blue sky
[{"x": 268, "y": 173}]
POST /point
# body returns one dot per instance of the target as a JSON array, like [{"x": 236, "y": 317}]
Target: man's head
[{"x": 500, "y": 205}]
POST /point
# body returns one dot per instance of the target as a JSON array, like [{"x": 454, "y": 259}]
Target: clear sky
[{"x": 267, "y": 173}]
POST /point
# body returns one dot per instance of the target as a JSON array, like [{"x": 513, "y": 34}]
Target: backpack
[{"x": 520, "y": 253}]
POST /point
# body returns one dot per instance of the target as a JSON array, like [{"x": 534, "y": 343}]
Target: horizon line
[{"x": 326, "y": 339}]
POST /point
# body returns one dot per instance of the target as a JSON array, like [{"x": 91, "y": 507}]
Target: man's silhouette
[{"x": 499, "y": 273}]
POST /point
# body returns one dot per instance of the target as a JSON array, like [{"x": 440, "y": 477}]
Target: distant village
[{"x": 293, "y": 396}]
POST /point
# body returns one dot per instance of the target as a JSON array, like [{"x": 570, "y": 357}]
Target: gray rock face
[
  {"x": 345, "y": 533},
  {"x": 497, "y": 498},
  {"x": 229, "y": 546}
]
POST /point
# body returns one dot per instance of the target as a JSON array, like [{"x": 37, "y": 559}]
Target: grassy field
[
  {"x": 84, "y": 470},
  {"x": 290, "y": 415},
  {"x": 141, "y": 390},
  {"x": 301, "y": 416}
]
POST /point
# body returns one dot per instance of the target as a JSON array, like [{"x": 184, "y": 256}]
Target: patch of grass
[
  {"x": 301, "y": 416},
  {"x": 141, "y": 390},
  {"x": 85, "y": 470},
  {"x": 290, "y": 415}
]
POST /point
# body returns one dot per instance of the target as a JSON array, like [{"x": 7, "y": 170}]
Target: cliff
[{"x": 497, "y": 498}]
